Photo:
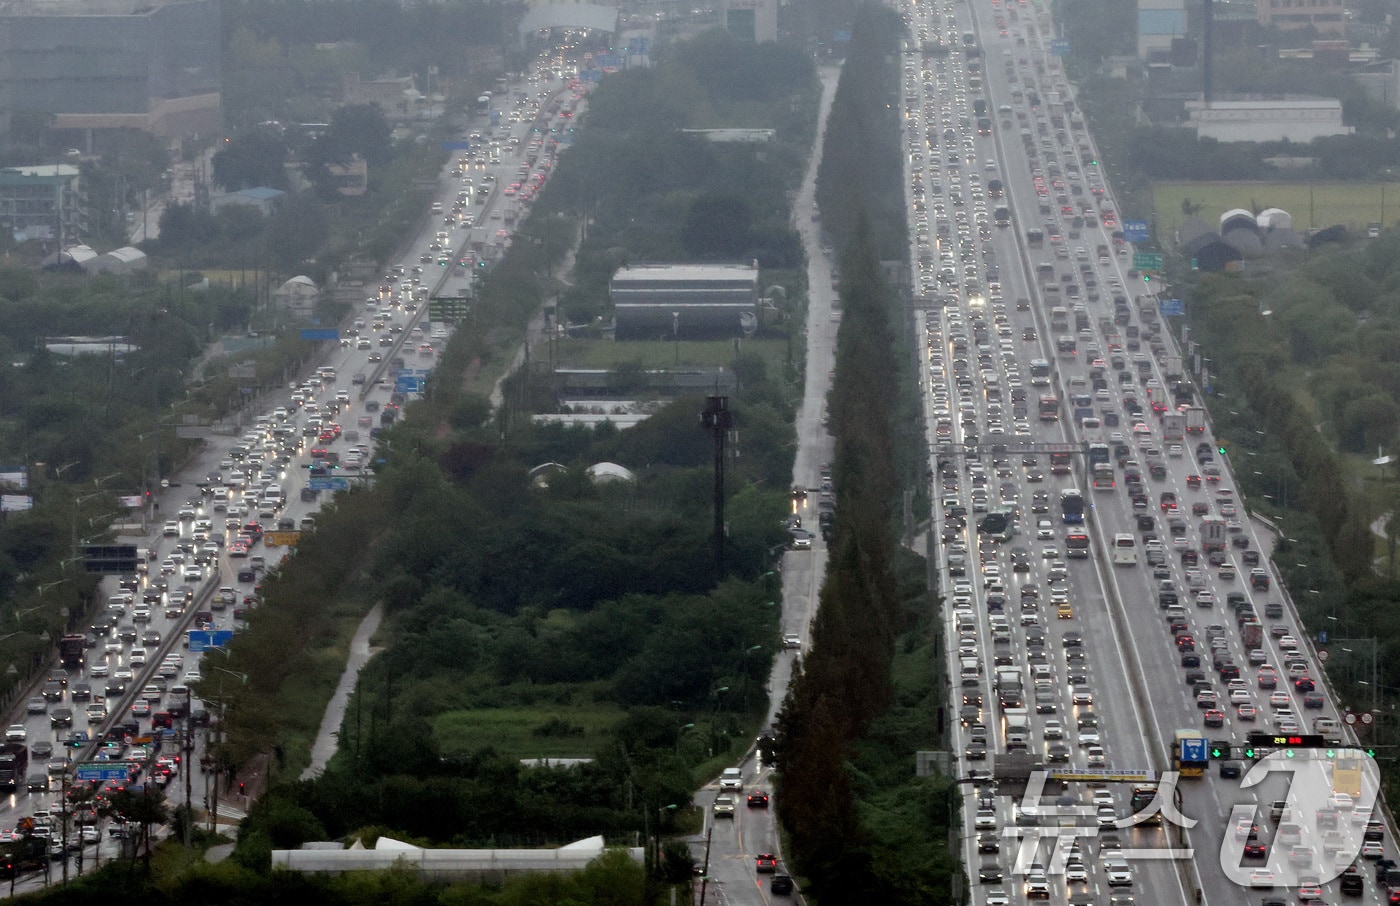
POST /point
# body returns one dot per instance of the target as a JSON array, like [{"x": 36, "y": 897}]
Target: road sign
[
  {"x": 1193, "y": 749},
  {"x": 1171, "y": 308},
  {"x": 841, "y": 36},
  {"x": 324, "y": 484},
  {"x": 1059, "y": 47},
  {"x": 407, "y": 384},
  {"x": 1350, "y": 718},
  {"x": 1323, "y": 654},
  {"x": 281, "y": 539},
  {"x": 320, "y": 334},
  {"x": 109, "y": 559},
  {"x": 205, "y": 639},
  {"x": 1135, "y": 230},
  {"x": 449, "y": 308},
  {"x": 1367, "y": 717},
  {"x": 590, "y": 75},
  {"x": 457, "y": 146},
  {"x": 608, "y": 61},
  {"x": 1147, "y": 261},
  {"x": 103, "y": 771},
  {"x": 1090, "y": 775}
]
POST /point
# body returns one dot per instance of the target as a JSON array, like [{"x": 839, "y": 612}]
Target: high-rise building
[{"x": 151, "y": 65}]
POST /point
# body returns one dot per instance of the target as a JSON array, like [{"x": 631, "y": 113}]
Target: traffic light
[
  {"x": 1249, "y": 751},
  {"x": 1370, "y": 753},
  {"x": 1220, "y": 449},
  {"x": 1217, "y": 752},
  {"x": 1219, "y": 748}
]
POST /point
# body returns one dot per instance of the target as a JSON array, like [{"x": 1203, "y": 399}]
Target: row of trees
[{"x": 860, "y": 825}]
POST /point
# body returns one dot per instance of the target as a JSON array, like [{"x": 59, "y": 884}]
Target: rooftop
[{"x": 81, "y": 7}]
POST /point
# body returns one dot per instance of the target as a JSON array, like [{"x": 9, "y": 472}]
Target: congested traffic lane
[
  {"x": 1115, "y": 268},
  {"x": 1026, "y": 197},
  {"x": 190, "y": 498},
  {"x": 1138, "y": 592}
]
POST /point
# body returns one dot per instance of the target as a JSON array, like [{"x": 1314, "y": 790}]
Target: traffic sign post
[
  {"x": 1193, "y": 749},
  {"x": 205, "y": 639},
  {"x": 1171, "y": 308},
  {"x": 102, "y": 771},
  {"x": 449, "y": 308},
  {"x": 1147, "y": 261},
  {"x": 1059, "y": 47},
  {"x": 320, "y": 484},
  {"x": 1135, "y": 231}
]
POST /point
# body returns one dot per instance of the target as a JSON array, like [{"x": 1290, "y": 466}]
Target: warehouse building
[{"x": 685, "y": 301}]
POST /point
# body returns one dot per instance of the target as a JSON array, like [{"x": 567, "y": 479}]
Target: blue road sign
[
  {"x": 1060, "y": 47},
  {"x": 841, "y": 36},
  {"x": 1135, "y": 230},
  {"x": 1322, "y": 637},
  {"x": 608, "y": 61},
  {"x": 103, "y": 771},
  {"x": 590, "y": 75},
  {"x": 462, "y": 145},
  {"x": 407, "y": 384},
  {"x": 1171, "y": 308},
  {"x": 1193, "y": 749},
  {"x": 639, "y": 46},
  {"x": 330, "y": 484},
  {"x": 332, "y": 334},
  {"x": 205, "y": 639}
]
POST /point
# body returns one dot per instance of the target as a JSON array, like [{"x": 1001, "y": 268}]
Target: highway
[
  {"x": 481, "y": 190},
  {"x": 1112, "y": 650}
]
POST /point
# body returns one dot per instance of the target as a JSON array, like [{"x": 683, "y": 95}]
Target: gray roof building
[{"x": 685, "y": 301}]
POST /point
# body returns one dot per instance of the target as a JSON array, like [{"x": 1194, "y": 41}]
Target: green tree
[{"x": 254, "y": 158}]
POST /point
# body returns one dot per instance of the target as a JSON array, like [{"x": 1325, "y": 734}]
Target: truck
[
  {"x": 14, "y": 761},
  {"x": 1251, "y": 634},
  {"x": 1171, "y": 368},
  {"x": 508, "y": 215},
  {"x": 72, "y": 651},
  {"x": 1195, "y": 419},
  {"x": 1213, "y": 534},
  {"x": 1173, "y": 427},
  {"x": 1018, "y": 728},
  {"x": 1010, "y": 691}
]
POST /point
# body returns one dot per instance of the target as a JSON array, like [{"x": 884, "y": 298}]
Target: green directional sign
[
  {"x": 449, "y": 308},
  {"x": 1147, "y": 261}
]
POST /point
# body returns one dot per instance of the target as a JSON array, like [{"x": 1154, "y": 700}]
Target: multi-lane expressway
[{"x": 511, "y": 161}]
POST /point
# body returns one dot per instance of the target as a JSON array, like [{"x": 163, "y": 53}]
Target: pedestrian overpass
[{"x": 570, "y": 15}]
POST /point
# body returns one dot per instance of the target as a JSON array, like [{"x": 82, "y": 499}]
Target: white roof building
[{"x": 1294, "y": 119}]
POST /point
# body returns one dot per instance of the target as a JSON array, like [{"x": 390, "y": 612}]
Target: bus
[
  {"x": 1059, "y": 319},
  {"x": 1072, "y": 506},
  {"x": 1066, "y": 345},
  {"x": 1190, "y": 753},
  {"x": 1102, "y": 476},
  {"x": 998, "y": 525},
  {"x": 1035, "y": 238},
  {"x": 1077, "y": 544},
  {"x": 1099, "y": 454},
  {"x": 1144, "y": 796},
  {"x": 1124, "y": 549},
  {"x": 1060, "y": 463},
  {"x": 1049, "y": 408},
  {"x": 1040, "y": 373}
]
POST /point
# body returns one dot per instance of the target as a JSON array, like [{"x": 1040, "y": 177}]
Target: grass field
[
  {"x": 518, "y": 732},
  {"x": 1313, "y": 206}
]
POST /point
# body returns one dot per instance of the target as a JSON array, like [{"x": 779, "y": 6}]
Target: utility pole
[
  {"x": 718, "y": 420},
  {"x": 189, "y": 780}
]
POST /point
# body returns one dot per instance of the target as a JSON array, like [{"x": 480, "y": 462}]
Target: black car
[{"x": 781, "y": 884}]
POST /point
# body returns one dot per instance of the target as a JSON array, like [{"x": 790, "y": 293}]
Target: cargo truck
[
  {"x": 1010, "y": 691},
  {"x": 1171, "y": 368},
  {"x": 1018, "y": 728},
  {"x": 1195, "y": 419},
  {"x": 1213, "y": 534},
  {"x": 14, "y": 761},
  {"x": 72, "y": 651},
  {"x": 1251, "y": 634},
  {"x": 1173, "y": 427}
]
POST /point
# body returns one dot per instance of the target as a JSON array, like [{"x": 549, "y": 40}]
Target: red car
[
  {"x": 758, "y": 799},
  {"x": 766, "y": 862}
]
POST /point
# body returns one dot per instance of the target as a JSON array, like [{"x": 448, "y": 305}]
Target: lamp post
[
  {"x": 214, "y": 799},
  {"x": 1375, "y": 664}
]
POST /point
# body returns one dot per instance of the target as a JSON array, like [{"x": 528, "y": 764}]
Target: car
[
  {"x": 1082, "y": 695},
  {"x": 782, "y": 884},
  {"x": 985, "y": 819},
  {"x": 171, "y": 529},
  {"x": 801, "y": 539},
  {"x": 1261, "y": 878},
  {"x": 37, "y": 705},
  {"x": 731, "y": 779},
  {"x": 996, "y": 896},
  {"x": 724, "y": 806},
  {"x": 792, "y": 640},
  {"x": 16, "y": 733},
  {"x": 1214, "y": 718},
  {"x": 758, "y": 799},
  {"x": 765, "y": 863}
]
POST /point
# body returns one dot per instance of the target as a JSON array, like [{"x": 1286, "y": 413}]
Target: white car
[
  {"x": 16, "y": 733},
  {"x": 1044, "y": 530},
  {"x": 1052, "y": 729},
  {"x": 997, "y": 897}
]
